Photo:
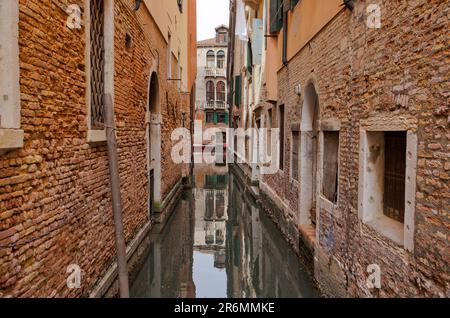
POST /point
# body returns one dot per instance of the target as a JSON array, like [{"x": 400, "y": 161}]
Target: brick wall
[
  {"x": 399, "y": 71},
  {"x": 55, "y": 203}
]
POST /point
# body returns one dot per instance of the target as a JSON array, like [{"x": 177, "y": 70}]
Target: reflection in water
[{"x": 218, "y": 244}]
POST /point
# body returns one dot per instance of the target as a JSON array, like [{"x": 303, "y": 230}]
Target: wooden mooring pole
[{"x": 116, "y": 197}]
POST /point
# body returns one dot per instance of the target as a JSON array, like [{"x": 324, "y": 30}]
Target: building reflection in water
[{"x": 219, "y": 244}]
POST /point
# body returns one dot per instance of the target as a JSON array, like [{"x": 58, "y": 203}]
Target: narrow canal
[{"x": 219, "y": 244}]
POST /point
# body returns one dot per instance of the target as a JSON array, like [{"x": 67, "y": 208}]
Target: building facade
[
  {"x": 211, "y": 94},
  {"x": 58, "y": 66},
  {"x": 359, "y": 93}
]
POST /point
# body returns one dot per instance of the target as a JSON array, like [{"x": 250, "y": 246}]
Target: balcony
[
  {"x": 214, "y": 72},
  {"x": 212, "y": 105},
  {"x": 220, "y": 105}
]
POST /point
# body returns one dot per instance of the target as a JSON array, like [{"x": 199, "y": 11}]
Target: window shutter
[
  {"x": 249, "y": 58},
  {"x": 237, "y": 90},
  {"x": 226, "y": 118},
  {"x": 276, "y": 15},
  {"x": 215, "y": 118}
]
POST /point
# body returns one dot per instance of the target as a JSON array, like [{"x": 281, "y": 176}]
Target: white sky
[{"x": 210, "y": 14}]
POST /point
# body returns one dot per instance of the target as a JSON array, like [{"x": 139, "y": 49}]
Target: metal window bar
[
  {"x": 395, "y": 175},
  {"x": 97, "y": 70}
]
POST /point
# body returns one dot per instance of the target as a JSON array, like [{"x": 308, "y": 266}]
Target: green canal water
[{"x": 219, "y": 244}]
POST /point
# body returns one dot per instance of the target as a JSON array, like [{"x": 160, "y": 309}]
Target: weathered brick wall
[
  {"x": 55, "y": 203},
  {"x": 400, "y": 70}
]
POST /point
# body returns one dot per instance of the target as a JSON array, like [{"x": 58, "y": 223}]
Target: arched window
[
  {"x": 221, "y": 59},
  {"x": 210, "y": 58},
  {"x": 221, "y": 91},
  {"x": 210, "y": 91}
]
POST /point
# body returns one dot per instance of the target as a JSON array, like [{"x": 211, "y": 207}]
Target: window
[
  {"x": 210, "y": 91},
  {"x": 276, "y": 15},
  {"x": 169, "y": 56},
  {"x": 387, "y": 184},
  {"x": 222, "y": 118},
  {"x": 394, "y": 175},
  {"x": 210, "y": 117},
  {"x": 222, "y": 37},
  {"x": 97, "y": 55},
  {"x": 221, "y": 59},
  {"x": 330, "y": 165},
  {"x": 295, "y": 153},
  {"x": 281, "y": 126},
  {"x": 210, "y": 59},
  {"x": 11, "y": 137},
  {"x": 221, "y": 91}
]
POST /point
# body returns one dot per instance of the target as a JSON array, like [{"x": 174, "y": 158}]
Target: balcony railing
[
  {"x": 215, "y": 105},
  {"x": 210, "y": 104},
  {"x": 220, "y": 105},
  {"x": 214, "y": 72}
]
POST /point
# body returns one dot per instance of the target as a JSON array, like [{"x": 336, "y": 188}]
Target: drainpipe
[
  {"x": 116, "y": 197},
  {"x": 285, "y": 34}
]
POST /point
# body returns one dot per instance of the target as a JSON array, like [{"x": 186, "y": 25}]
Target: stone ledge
[
  {"x": 96, "y": 136},
  {"x": 10, "y": 139}
]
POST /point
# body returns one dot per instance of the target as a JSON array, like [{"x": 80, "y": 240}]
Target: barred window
[{"x": 97, "y": 59}]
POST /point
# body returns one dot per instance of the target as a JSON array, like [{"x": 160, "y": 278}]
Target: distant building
[{"x": 211, "y": 85}]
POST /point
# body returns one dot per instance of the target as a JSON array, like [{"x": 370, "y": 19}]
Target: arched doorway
[
  {"x": 308, "y": 156},
  {"x": 154, "y": 144}
]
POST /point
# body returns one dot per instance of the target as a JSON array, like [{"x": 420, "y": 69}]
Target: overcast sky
[{"x": 210, "y": 14}]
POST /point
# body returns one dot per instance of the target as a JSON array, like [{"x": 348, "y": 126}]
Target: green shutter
[
  {"x": 237, "y": 90},
  {"x": 226, "y": 118},
  {"x": 215, "y": 118},
  {"x": 276, "y": 15},
  {"x": 249, "y": 58}
]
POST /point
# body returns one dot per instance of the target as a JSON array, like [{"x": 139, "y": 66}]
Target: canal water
[{"x": 219, "y": 244}]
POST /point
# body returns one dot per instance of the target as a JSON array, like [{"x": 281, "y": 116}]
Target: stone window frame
[
  {"x": 97, "y": 136},
  {"x": 383, "y": 225},
  {"x": 11, "y": 136},
  {"x": 327, "y": 125}
]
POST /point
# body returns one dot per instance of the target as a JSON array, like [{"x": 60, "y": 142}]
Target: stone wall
[
  {"x": 396, "y": 74},
  {"x": 55, "y": 202}
]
